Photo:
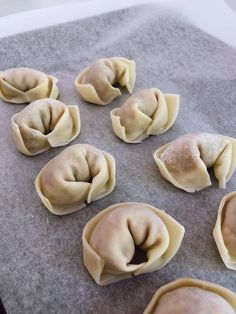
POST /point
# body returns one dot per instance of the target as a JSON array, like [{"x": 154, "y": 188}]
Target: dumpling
[
  {"x": 111, "y": 238},
  {"x": 43, "y": 124},
  {"x": 225, "y": 230},
  {"x": 184, "y": 162},
  {"x": 148, "y": 112},
  {"x": 22, "y": 85},
  {"x": 96, "y": 83},
  {"x": 80, "y": 173},
  {"x": 192, "y": 296}
]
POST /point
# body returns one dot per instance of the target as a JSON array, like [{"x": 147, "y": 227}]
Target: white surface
[
  {"x": 8, "y": 7},
  {"x": 212, "y": 16}
]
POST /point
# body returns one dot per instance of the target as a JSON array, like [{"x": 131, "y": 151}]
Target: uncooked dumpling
[
  {"x": 184, "y": 162},
  {"x": 148, "y": 112},
  {"x": 225, "y": 230},
  {"x": 96, "y": 83},
  {"x": 192, "y": 296},
  {"x": 43, "y": 124},
  {"x": 110, "y": 238},
  {"x": 81, "y": 173},
  {"x": 22, "y": 85}
]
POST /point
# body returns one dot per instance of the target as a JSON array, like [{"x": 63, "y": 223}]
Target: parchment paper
[{"x": 41, "y": 265}]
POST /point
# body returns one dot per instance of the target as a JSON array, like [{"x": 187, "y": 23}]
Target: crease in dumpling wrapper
[
  {"x": 46, "y": 89},
  {"x": 89, "y": 192},
  {"x": 167, "y": 109},
  {"x": 223, "y": 167},
  {"x": 127, "y": 79},
  {"x": 228, "y": 258},
  {"x": 57, "y": 137},
  {"x": 156, "y": 260}
]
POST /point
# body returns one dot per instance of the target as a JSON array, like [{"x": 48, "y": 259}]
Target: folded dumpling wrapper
[
  {"x": 225, "y": 230},
  {"x": 43, "y": 124},
  {"x": 96, "y": 83},
  {"x": 81, "y": 173},
  {"x": 110, "y": 238},
  {"x": 192, "y": 296},
  {"x": 148, "y": 112},
  {"x": 184, "y": 161},
  {"x": 24, "y": 85}
]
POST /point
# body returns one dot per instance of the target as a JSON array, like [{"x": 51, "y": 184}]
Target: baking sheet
[{"x": 41, "y": 263}]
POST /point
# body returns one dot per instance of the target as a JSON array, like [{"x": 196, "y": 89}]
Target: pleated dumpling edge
[
  {"x": 115, "y": 230},
  {"x": 95, "y": 83},
  {"x": 224, "y": 231},
  {"x": 24, "y": 85},
  {"x": 147, "y": 112},
  {"x": 81, "y": 173},
  {"x": 184, "y": 161},
  {"x": 43, "y": 124}
]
